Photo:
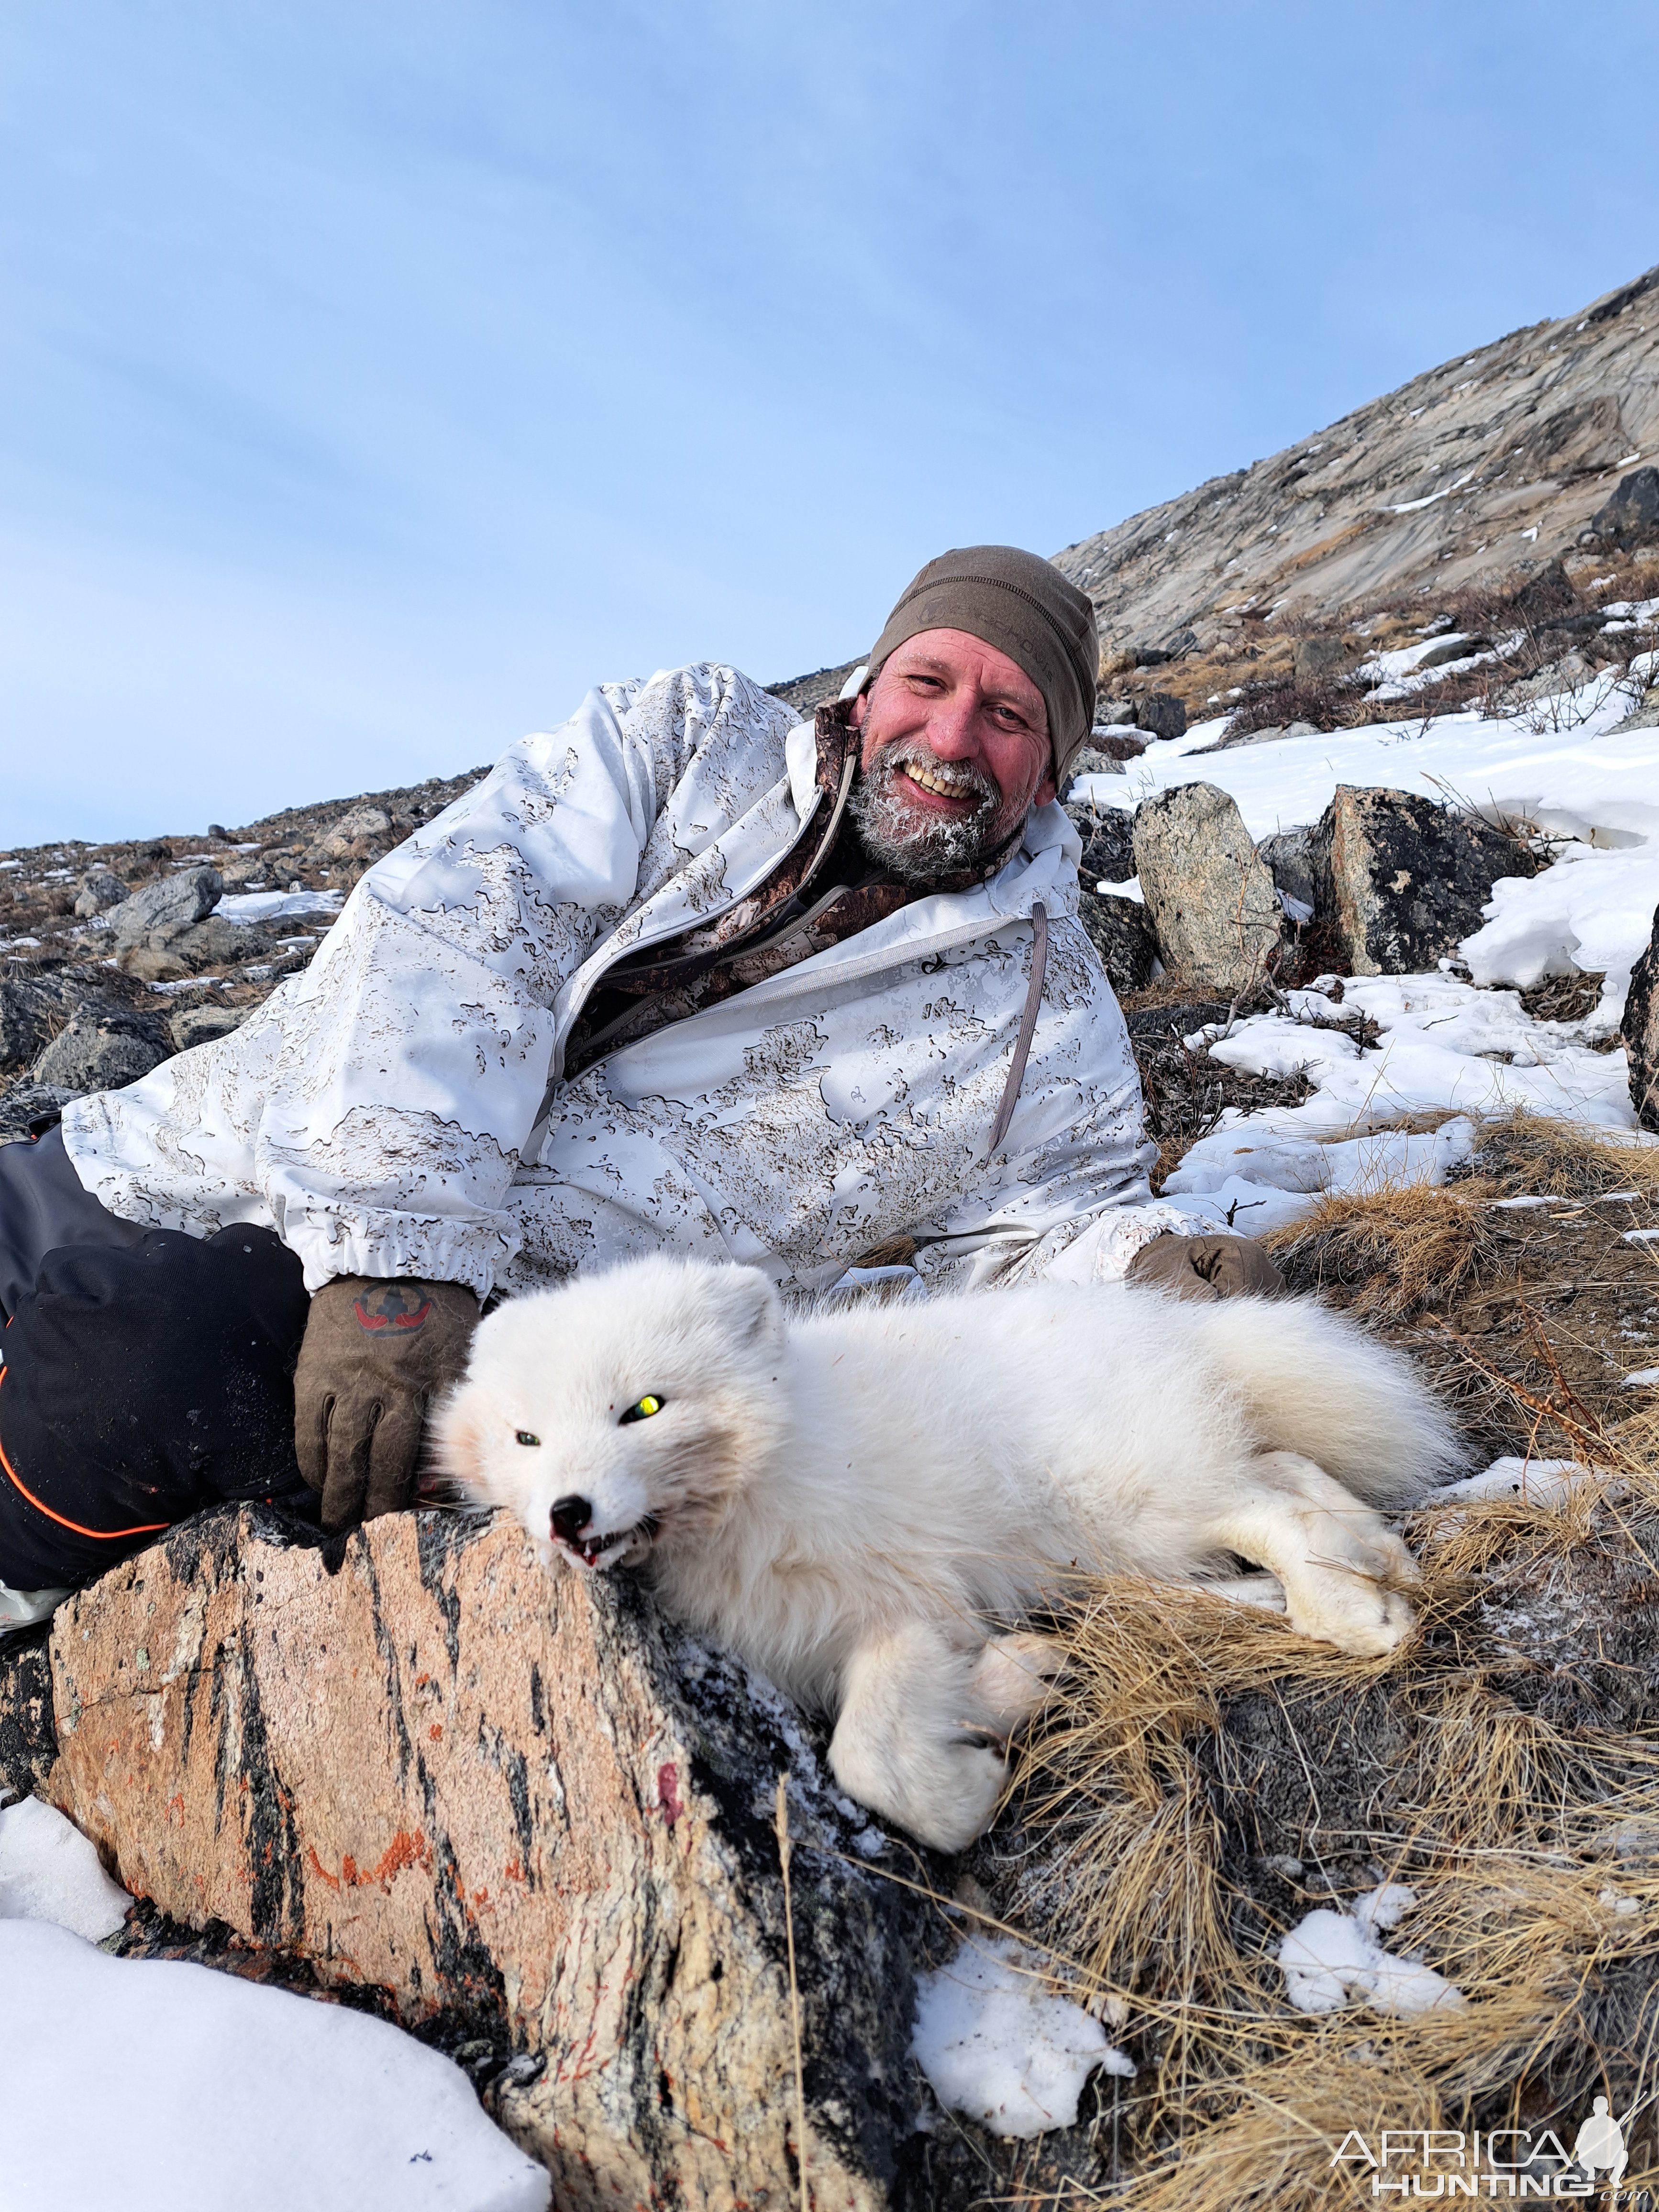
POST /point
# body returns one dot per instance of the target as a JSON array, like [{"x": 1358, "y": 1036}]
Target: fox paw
[
  {"x": 1014, "y": 1677},
  {"x": 963, "y": 1804}
]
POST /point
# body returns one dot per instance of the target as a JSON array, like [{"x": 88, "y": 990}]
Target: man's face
[{"x": 954, "y": 753}]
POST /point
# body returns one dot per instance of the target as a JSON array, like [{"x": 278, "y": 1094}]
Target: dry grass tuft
[
  {"x": 1400, "y": 1251},
  {"x": 1510, "y": 1810},
  {"x": 1506, "y": 1827},
  {"x": 1526, "y": 1153}
]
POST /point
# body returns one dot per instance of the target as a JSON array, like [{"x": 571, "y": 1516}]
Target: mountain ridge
[{"x": 1490, "y": 464}]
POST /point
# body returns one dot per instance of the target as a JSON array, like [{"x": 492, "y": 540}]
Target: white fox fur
[{"x": 853, "y": 1497}]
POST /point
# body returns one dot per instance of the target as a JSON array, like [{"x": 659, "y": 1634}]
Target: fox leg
[
  {"x": 914, "y": 1740},
  {"x": 1332, "y": 1554}
]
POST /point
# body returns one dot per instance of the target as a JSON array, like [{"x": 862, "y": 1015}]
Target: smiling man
[{"x": 686, "y": 974}]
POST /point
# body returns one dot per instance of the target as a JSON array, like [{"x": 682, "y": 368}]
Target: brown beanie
[{"x": 1023, "y": 605}]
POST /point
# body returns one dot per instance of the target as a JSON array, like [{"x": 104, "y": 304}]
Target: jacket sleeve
[
  {"x": 398, "y": 1080},
  {"x": 1068, "y": 1197}
]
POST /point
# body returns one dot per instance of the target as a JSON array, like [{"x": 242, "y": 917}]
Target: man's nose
[{"x": 953, "y": 729}]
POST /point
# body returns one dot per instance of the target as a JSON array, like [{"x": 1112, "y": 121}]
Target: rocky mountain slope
[
  {"x": 1456, "y": 589},
  {"x": 1499, "y": 458},
  {"x": 1491, "y": 463}
]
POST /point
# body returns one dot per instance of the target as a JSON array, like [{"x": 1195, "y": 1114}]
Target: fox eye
[
  {"x": 641, "y": 1409},
  {"x": 525, "y": 1437}
]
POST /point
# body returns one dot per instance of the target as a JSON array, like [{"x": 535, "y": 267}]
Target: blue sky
[{"x": 374, "y": 378}]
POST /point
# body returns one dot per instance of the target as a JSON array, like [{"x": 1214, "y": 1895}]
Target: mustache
[
  {"x": 967, "y": 778},
  {"x": 918, "y": 849}
]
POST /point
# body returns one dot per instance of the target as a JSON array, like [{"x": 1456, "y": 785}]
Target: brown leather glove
[
  {"x": 1207, "y": 1267},
  {"x": 375, "y": 1353}
]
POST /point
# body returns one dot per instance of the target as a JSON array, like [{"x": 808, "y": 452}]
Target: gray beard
[{"x": 922, "y": 853}]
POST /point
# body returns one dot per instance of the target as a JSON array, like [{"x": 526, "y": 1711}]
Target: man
[{"x": 685, "y": 973}]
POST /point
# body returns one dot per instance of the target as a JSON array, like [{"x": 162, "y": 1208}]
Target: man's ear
[
  {"x": 1045, "y": 792},
  {"x": 859, "y": 708}
]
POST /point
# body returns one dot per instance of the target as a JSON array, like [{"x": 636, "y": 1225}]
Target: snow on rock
[
  {"x": 163, "y": 2087},
  {"x": 278, "y": 906},
  {"x": 997, "y": 2047},
  {"x": 49, "y": 1871},
  {"x": 1333, "y": 1959},
  {"x": 1444, "y": 1044},
  {"x": 1556, "y": 764}
]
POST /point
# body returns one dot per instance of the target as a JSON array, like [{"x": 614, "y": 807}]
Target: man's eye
[
  {"x": 525, "y": 1437},
  {"x": 641, "y": 1409}
]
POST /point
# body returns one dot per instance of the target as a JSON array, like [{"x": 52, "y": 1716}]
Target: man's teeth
[{"x": 937, "y": 784}]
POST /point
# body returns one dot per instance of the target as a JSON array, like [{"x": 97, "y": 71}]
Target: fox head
[{"x": 622, "y": 1409}]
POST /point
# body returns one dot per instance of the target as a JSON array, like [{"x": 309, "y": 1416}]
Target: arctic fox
[{"x": 853, "y": 1499}]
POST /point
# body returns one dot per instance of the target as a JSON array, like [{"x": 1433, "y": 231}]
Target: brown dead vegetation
[
  {"x": 1394, "y": 1253},
  {"x": 1249, "y": 671},
  {"x": 1208, "y": 1776}
]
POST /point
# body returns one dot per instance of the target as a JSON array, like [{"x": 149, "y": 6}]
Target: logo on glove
[{"x": 391, "y": 1308}]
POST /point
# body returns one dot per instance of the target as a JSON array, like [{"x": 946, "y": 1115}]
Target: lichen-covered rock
[
  {"x": 99, "y": 891},
  {"x": 1119, "y": 931},
  {"x": 194, "y": 1025},
  {"x": 1210, "y": 895},
  {"x": 1108, "y": 843},
  {"x": 167, "y": 906},
  {"x": 1639, "y": 1027},
  {"x": 32, "y": 1009},
  {"x": 104, "y": 1048},
  {"x": 27, "y": 1107},
  {"x": 1290, "y": 859},
  {"x": 28, "y": 1742},
  {"x": 416, "y": 1761},
  {"x": 1401, "y": 880}
]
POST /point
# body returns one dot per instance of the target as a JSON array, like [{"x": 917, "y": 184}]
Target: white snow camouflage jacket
[{"x": 398, "y": 1108}]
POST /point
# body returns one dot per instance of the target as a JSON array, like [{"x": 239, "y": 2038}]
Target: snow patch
[
  {"x": 50, "y": 1871},
  {"x": 164, "y": 2087},
  {"x": 1333, "y": 1959},
  {"x": 277, "y": 906},
  {"x": 997, "y": 2047},
  {"x": 1444, "y": 1046}
]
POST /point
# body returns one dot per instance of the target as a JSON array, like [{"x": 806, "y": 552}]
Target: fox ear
[{"x": 745, "y": 1305}]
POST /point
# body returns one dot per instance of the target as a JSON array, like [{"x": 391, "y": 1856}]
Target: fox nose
[{"x": 568, "y": 1517}]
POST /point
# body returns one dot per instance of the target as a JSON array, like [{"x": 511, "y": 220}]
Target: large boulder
[
  {"x": 166, "y": 907},
  {"x": 1640, "y": 1026},
  {"x": 1314, "y": 657},
  {"x": 99, "y": 891},
  {"x": 1402, "y": 880},
  {"x": 1629, "y": 516},
  {"x": 104, "y": 1048},
  {"x": 1162, "y": 714},
  {"x": 1108, "y": 843},
  {"x": 415, "y": 1761},
  {"x": 1119, "y": 931},
  {"x": 1210, "y": 896},
  {"x": 33, "y": 1008}
]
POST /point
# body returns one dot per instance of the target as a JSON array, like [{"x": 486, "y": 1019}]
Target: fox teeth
[{"x": 935, "y": 784}]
